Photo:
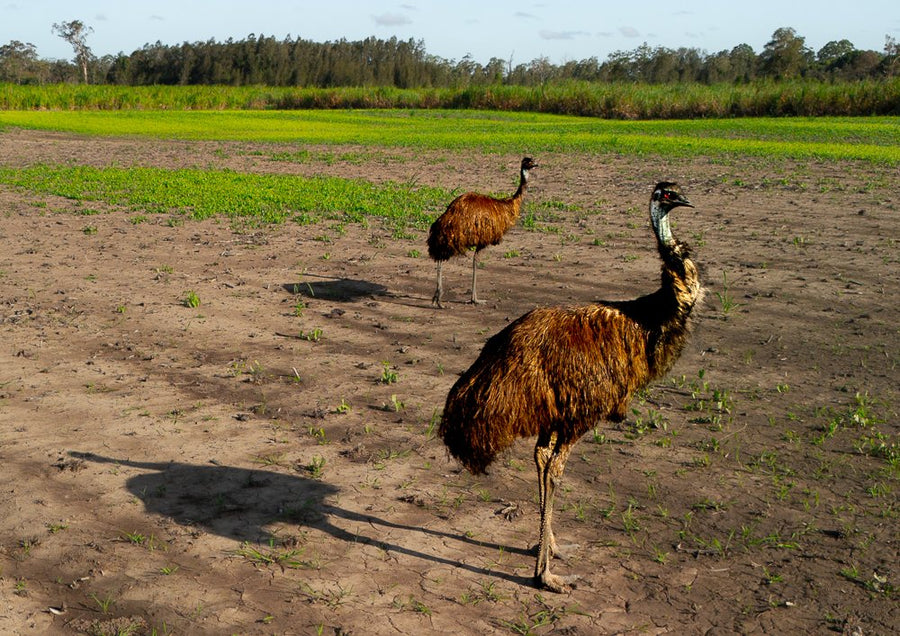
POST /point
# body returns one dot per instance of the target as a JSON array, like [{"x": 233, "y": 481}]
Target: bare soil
[{"x": 227, "y": 468}]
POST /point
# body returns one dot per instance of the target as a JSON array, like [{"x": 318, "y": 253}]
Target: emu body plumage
[
  {"x": 557, "y": 371},
  {"x": 476, "y": 221}
]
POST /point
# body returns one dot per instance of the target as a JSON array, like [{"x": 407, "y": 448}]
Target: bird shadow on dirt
[
  {"x": 336, "y": 289},
  {"x": 237, "y": 503}
]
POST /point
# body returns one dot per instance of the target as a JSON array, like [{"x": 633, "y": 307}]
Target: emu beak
[{"x": 681, "y": 201}]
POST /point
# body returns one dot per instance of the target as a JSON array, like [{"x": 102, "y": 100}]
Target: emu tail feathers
[{"x": 472, "y": 450}]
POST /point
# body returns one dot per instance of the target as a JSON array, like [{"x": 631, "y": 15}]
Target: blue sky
[{"x": 561, "y": 30}]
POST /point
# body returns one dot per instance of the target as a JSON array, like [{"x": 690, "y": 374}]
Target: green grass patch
[
  {"x": 874, "y": 139},
  {"x": 609, "y": 100},
  {"x": 201, "y": 194}
]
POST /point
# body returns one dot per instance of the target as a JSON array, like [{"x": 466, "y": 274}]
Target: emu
[
  {"x": 556, "y": 372},
  {"x": 474, "y": 220}
]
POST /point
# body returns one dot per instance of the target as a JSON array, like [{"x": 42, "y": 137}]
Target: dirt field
[{"x": 245, "y": 467}]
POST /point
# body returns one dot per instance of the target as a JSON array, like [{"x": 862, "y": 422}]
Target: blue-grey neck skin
[{"x": 659, "y": 217}]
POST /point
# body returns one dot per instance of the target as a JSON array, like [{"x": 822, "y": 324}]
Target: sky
[{"x": 517, "y": 31}]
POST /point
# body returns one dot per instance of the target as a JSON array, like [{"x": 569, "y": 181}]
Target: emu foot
[
  {"x": 436, "y": 301},
  {"x": 475, "y": 301},
  {"x": 555, "y": 583},
  {"x": 563, "y": 552}
]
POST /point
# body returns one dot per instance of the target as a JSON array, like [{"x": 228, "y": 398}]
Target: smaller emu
[
  {"x": 474, "y": 220},
  {"x": 557, "y": 371}
]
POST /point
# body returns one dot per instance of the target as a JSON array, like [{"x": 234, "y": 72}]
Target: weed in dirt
[
  {"x": 343, "y": 407},
  {"x": 330, "y": 597},
  {"x": 385, "y": 455},
  {"x": 272, "y": 459},
  {"x": 540, "y": 614},
  {"x": 313, "y": 335},
  {"x": 431, "y": 428},
  {"x": 630, "y": 521},
  {"x": 191, "y": 300},
  {"x": 26, "y": 545},
  {"x": 318, "y": 434},
  {"x": 726, "y": 300},
  {"x": 103, "y": 604},
  {"x": 388, "y": 375},
  {"x": 58, "y": 526},
  {"x": 284, "y": 558},
  {"x": 20, "y": 587},
  {"x": 316, "y": 466},
  {"x": 396, "y": 405},
  {"x": 134, "y": 537},
  {"x": 487, "y": 591}
]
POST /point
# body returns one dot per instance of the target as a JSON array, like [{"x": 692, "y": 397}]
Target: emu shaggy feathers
[
  {"x": 474, "y": 220},
  {"x": 563, "y": 370},
  {"x": 471, "y": 220},
  {"x": 558, "y": 371}
]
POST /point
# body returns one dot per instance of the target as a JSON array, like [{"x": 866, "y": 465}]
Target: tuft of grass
[
  {"x": 726, "y": 300},
  {"x": 388, "y": 375},
  {"x": 315, "y": 467},
  {"x": 286, "y": 558},
  {"x": 191, "y": 300},
  {"x": 313, "y": 335}
]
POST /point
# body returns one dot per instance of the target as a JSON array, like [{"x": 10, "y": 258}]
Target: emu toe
[{"x": 556, "y": 583}]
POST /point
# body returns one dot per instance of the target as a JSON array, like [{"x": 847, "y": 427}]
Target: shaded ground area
[{"x": 265, "y": 463}]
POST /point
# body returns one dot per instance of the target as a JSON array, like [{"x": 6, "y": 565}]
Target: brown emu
[
  {"x": 474, "y": 220},
  {"x": 557, "y": 371}
]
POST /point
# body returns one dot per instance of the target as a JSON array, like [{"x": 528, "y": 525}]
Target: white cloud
[
  {"x": 546, "y": 34},
  {"x": 391, "y": 19},
  {"x": 629, "y": 32}
]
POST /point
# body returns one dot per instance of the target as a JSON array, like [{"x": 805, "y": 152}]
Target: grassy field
[
  {"x": 617, "y": 100},
  {"x": 870, "y": 139},
  {"x": 201, "y": 193}
]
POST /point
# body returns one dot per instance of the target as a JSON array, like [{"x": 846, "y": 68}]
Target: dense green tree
[
  {"x": 264, "y": 60},
  {"x": 785, "y": 56},
  {"x": 18, "y": 62}
]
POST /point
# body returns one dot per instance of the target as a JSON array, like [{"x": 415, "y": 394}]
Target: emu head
[
  {"x": 666, "y": 197},
  {"x": 527, "y": 164}
]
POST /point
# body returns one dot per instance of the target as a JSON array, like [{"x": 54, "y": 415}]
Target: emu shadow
[
  {"x": 237, "y": 503},
  {"x": 336, "y": 289}
]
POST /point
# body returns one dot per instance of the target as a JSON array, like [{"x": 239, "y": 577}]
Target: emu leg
[
  {"x": 542, "y": 452},
  {"x": 475, "y": 300},
  {"x": 436, "y": 299},
  {"x": 550, "y": 457}
]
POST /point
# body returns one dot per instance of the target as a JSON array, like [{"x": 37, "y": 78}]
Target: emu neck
[
  {"x": 523, "y": 184},
  {"x": 664, "y": 314},
  {"x": 512, "y": 212},
  {"x": 675, "y": 300},
  {"x": 659, "y": 217}
]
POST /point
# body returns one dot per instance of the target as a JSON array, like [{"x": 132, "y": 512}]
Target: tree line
[{"x": 265, "y": 60}]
